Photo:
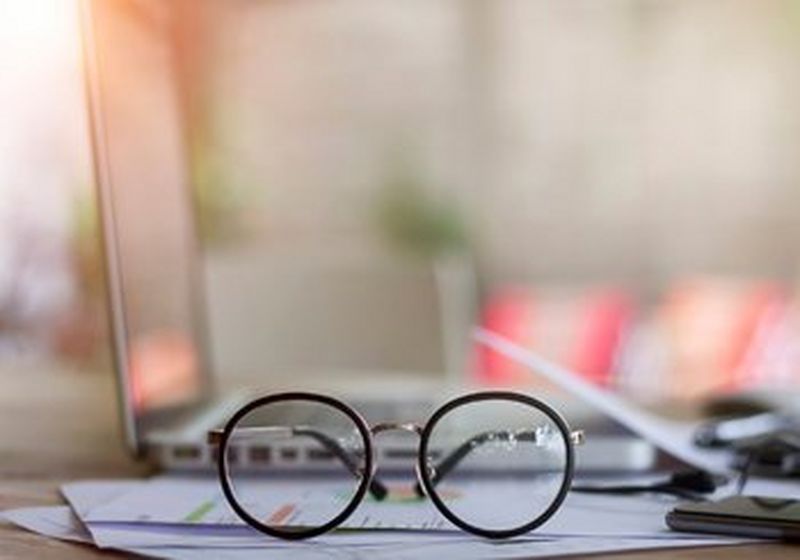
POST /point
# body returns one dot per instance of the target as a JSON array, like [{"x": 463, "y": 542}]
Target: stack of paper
[{"x": 169, "y": 517}]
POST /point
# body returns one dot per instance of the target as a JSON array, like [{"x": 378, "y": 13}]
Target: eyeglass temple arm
[
  {"x": 376, "y": 487},
  {"x": 452, "y": 460}
]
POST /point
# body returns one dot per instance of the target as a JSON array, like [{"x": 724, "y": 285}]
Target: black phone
[{"x": 744, "y": 516}]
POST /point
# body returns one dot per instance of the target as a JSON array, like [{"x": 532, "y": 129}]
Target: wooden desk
[{"x": 57, "y": 426}]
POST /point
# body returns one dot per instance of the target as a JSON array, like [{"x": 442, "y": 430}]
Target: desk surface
[{"x": 57, "y": 426}]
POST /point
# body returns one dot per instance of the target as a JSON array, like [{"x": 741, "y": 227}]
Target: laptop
[{"x": 167, "y": 394}]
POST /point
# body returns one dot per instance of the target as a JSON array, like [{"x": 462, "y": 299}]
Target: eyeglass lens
[
  {"x": 272, "y": 440},
  {"x": 501, "y": 464}
]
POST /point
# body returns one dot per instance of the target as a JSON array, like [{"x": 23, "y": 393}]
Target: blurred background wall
[
  {"x": 46, "y": 212},
  {"x": 631, "y": 140},
  {"x": 631, "y": 143}
]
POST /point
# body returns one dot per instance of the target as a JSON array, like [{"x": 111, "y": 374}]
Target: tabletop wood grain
[{"x": 60, "y": 425}]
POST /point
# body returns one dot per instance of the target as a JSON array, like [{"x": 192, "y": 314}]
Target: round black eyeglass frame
[{"x": 422, "y": 469}]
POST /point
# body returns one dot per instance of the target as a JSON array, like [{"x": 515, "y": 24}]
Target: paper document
[
  {"x": 171, "y": 511},
  {"x": 60, "y": 522},
  {"x": 596, "y": 524},
  {"x": 199, "y": 502},
  {"x": 57, "y": 522},
  {"x": 671, "y": 436}
]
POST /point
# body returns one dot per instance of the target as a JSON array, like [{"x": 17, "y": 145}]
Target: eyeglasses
[{"x": 496, "y": 464}]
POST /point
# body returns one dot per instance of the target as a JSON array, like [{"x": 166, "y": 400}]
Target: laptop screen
[{"x": 148, "y": 225}]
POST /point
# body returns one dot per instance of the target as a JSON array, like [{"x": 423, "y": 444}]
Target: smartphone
[{"x": 744, "y": 516}]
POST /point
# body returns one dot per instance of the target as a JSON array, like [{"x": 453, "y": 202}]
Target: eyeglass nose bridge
[
  {"x": 410, "y": 427},
  {"x": 396, "y": 426}
]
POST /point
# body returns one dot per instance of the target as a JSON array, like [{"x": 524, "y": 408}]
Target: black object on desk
[
  {"x": 744, "y": 516},
  {"x": 689, "y": 485}
]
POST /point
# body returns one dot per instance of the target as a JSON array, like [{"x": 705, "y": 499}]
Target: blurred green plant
[
  {"x": 416, "y": 221},
  {"x": 221, "y": 206}
]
